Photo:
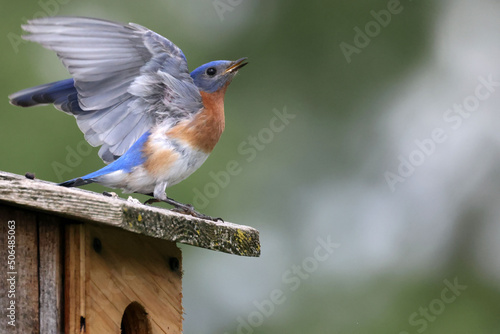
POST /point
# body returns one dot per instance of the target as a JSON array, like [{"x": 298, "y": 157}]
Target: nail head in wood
[{"x": 97, "y": 245}]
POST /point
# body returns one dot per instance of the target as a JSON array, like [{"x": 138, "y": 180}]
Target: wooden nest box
[{"x": 74, "y": 261}]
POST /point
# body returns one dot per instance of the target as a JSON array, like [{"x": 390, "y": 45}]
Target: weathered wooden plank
[
  {"x": 74, "y": 278},
  {"x": 160, "y": 223},
  {"x": 51, "y": 274},
  {"x": 22, "y": 287},
  {"x": 49, "y": 197}
]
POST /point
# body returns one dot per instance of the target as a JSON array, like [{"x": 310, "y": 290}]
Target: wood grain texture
[
  {"x": 51, "y": 264},
  {"x": 74, "y": 278},
  {"x": 160, "y": 223},
  {"x": 26, "y": 271},
  {"x": 128, "y": 269}
]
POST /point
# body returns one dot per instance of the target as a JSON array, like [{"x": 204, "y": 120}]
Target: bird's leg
[
  {"x": 182, "y": 208},
  {"x": 161, "y": 196}
]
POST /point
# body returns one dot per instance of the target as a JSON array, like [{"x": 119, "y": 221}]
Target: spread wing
[{"x": 127, "y": 78}]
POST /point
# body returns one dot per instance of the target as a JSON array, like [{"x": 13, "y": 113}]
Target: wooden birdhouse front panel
[
  {"x": 129, "y": 282},
  {"x": 76, "y": 278}
]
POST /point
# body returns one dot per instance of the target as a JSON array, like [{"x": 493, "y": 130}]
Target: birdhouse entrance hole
[{"x": 135, "y": 320}]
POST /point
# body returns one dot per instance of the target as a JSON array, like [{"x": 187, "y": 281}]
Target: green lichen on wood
[{"x": 218, "y": 236}]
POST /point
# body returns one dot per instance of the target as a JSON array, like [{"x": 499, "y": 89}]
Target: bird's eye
[{"x": 211, "y": 71}]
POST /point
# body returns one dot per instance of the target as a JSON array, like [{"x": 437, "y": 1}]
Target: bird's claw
[
  {"x": 188, "y": 209},
  {"x": 151, "y": 201}
]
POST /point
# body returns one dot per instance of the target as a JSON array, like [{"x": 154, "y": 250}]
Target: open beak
[{"x": 236, "y": 65}]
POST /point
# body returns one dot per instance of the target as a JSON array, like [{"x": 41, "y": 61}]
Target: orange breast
[
  {"x": 158, "y": 160},
  {"x": 205, "y": 129}
]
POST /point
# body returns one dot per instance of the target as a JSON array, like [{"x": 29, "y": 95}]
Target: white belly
[{"x": 141, "y": 181}]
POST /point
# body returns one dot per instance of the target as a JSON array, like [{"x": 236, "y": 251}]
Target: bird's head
[{"x": 217, "y": 74}]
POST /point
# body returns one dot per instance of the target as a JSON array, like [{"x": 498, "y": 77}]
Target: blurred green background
[{"x": 413, "y": 216}]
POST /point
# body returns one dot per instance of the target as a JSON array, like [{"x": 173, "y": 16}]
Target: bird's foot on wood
[
  {"x": 151, "y": 201},
  {"x": 186, "y": 209}
]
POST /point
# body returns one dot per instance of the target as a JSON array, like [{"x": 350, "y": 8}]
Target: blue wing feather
[
  {"x": 60, "y": 93},
  {"x": 122, "y": 75}
]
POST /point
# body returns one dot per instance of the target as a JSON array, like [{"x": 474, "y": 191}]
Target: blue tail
[
  {"x": 76, "y": 182},
  {"x": 89, "y": 178},
  {"x": 132, "y": 158},
  {"x": 62, "y": 94}
]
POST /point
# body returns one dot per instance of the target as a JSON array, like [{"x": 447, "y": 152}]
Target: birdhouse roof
[{"x": 87, "y": 206}]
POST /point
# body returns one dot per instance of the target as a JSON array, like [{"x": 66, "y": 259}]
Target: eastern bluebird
[{"x": 132, "y": 94}]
